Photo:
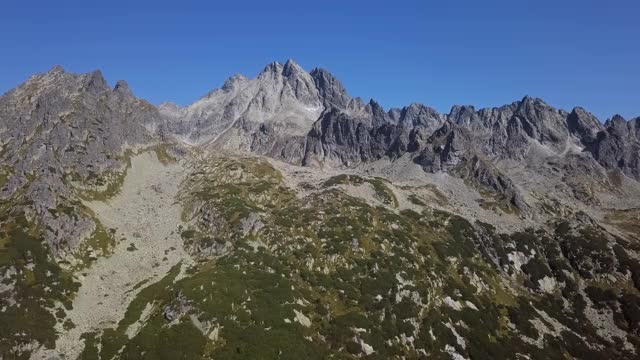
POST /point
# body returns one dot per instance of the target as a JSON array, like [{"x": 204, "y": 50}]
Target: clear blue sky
[{"x": 485, "y": 53}]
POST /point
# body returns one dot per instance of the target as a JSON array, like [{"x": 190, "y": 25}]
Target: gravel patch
[{"x": 146, "y": 207}]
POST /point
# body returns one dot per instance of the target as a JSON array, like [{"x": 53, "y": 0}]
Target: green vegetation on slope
[
  {"x": 331, "y": 276},
  {"x": 38, "y": 290}
]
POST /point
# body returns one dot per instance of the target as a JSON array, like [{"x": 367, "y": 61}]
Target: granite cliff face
[
  {"x": 321, "y": 224},
  {"x": 58, "y": 128},
  {"x": 310, "y": 119},
  {"x": 617, "y": 146},
  {"x": 270, "y": 114}
]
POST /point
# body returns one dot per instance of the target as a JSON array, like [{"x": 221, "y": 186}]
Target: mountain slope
[
  {"x": 342, "y": 131},
  {"x": 60, "y": 128},
  {"x": 281, "y": 216}
]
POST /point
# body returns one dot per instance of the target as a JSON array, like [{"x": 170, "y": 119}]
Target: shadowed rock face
[
  {"x": 122, "y": 88},
  {"x": 583, "y": 125},
  {"x": 453, "y": 149},
  {"x": 618, "y": 146},
  {"x": 330, "y": 89}
]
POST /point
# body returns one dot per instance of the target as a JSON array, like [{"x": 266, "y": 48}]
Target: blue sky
[{"x": 484, "y": 53}]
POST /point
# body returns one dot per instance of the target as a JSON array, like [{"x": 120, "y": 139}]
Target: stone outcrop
[{"x": 58, "y": 128}]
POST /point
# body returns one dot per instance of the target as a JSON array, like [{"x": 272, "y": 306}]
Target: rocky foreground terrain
[{"x": 279, "y": 217}]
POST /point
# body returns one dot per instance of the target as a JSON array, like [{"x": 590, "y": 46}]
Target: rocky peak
[
  {"x": 533, "y": 108},
  {"x": 302, "y": 84},
  {"x": 95, "y": 82},
  {"x": 419, "y": 115},
  {"x": 462, "y": 113},
  {"x": 375, "y": 108},
  {"x": 281, "y": 81},
  {"x": 330, "y": 89},
  {"x": 233, "y": 82},
  {"x": 281, "y": 102},
  {"x": 583, "y": 125},
  {"x": 529, "y": 102},
  {"x": 75, "y": 124},
  {"x": 619, "y": 128},
  {"x": 617, "y": 121},
  {"x": 290, "y": 73},
  {"x": 271, "y": 72},
  {"x": 541, "y": 121},
  {"x": 417, "y": 108},
  {"x": 122, "y": 88},
  {"x": 618, "y": 146},
  {"x": 57, "y": 69},
  {"x": 286, "y": 100},
  {"x": 291, "y": 68}
]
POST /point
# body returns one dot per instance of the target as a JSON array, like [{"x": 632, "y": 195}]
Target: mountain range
[{"x": 280, "y": 217}]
